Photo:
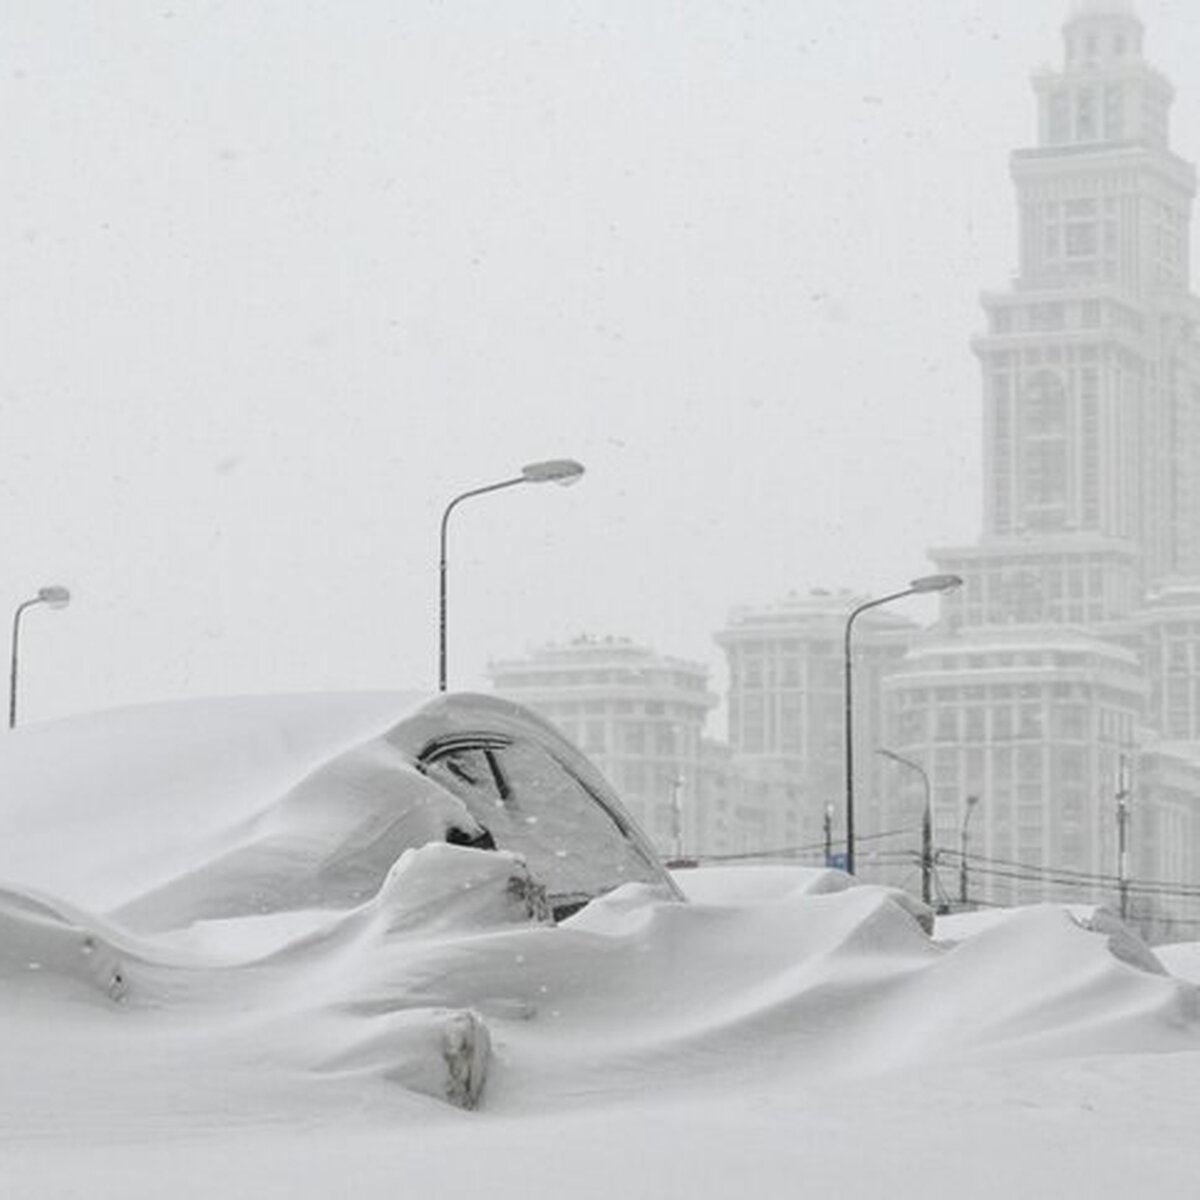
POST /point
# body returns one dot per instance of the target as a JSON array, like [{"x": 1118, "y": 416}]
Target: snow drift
[{"x": 186, "y": 900}]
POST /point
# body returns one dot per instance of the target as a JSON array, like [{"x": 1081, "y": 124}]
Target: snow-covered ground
[{"x": 782, "y": 1033}]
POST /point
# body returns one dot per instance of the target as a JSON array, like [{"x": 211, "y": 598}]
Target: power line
[
  {"x": 1066, "y": 878},
  {"x": 983, "y": 863},
  {"x": 815, "y": 848},
  {"x": 1048, "y": 876}
]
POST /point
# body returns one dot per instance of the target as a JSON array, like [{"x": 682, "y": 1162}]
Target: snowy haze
[{"x": 281, "y": 278}]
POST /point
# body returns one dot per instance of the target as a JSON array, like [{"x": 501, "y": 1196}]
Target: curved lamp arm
[
  {"x": 925, "y": 584},
  {"x": 53, "y": 597},
  {"x": 563, "y": 471}
]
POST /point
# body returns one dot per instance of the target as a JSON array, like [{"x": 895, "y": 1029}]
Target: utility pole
[
  {"x": 962, "y": 866},
  {"x": 677, "y": 813},
  {"x": 1123, "y": 798},
  {"x": 926, "y": 821},
  {"x": 927, "y": 854}
]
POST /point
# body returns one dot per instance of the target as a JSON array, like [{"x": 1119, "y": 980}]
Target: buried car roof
[{"x": 214, "y": 808}]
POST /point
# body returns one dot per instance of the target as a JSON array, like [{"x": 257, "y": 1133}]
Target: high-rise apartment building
[
  {"x": 638, "y": 715},
  {"x": 1056, "y": 703},
  {"x": 1067, "y": 661},
  {"x": 786, "y": 702},
  {"x": 1055, "y": 706}
]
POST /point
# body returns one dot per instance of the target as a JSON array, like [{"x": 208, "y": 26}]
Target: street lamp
[
  {"x": 555, "y": 470},
  {"x": 52, "y": 597},
  {"x": 926, "y": 823},
  {"x": 927, "y": 583},
  {"x": 972, "y": 801},
  {"x": 677, "y": 782}
]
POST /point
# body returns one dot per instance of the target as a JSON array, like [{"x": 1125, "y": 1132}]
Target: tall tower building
[
  {"x": 1091, "y": 392},
  {"x": 1041, "y": 700}
]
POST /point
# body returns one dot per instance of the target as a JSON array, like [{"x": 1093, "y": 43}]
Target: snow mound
[
  {"x": 449, "y": 983},
  {"x": 328, "y": 842},
  {"x": 265, "y": 809},
  {"x": 308, "y": 1003},
  {"x": 103, "y": 808},
  {"x": 769, "y": 882},
  {"x": 271, "y": 935},
  {"x": 1181, "y": 959},
  {"x": 44, "y": 944}
]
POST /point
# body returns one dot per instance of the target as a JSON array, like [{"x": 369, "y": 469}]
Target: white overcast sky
[{"x": 279, "y": 278}]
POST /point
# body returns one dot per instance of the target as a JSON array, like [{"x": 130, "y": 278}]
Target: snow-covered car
[
  {"x": 270, "y": 866},
  {"x": 240, "y": 913},
  {"x": 216, "y": 809},
  {"x": 528, "y": 789}
]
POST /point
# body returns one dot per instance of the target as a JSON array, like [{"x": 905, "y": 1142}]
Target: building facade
[
  {"x": 1063, "y": 690},
  {"x": 638, "y": 715},
  {"x": 786, "y": 705},
  {"x": 1054, "y": 707}
]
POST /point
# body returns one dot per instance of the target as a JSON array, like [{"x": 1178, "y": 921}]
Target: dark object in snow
[{"x": 476, "y": 841}]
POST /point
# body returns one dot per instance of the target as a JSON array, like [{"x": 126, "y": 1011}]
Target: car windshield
[{"x": 532, "y": 804}]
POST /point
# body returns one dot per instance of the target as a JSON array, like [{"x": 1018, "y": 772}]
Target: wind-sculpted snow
[
  {"x": 300, "y": 951},
  {"x": 265, "y": 808},
  {"x": 327, "y": 842},
  {"x": 47, "y": 945},
  {"x": 450, "y": 982},
  {"x": 101, "y": 809}
]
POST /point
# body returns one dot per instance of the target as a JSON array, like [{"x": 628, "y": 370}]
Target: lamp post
[
  {"x": 677, "y": 782},
  {"x": 926, "y": 823},
  {"x": 972, "y": 801},
  {"x": 927, "y": 583},
  {"x": 555, "y": 470},
  {"x": 52, "y": 597},
  {"x": 1123, "y": 798}
]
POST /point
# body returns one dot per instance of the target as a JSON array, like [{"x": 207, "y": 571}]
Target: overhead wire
[
  {"x": 987, "y": 866},
  {"x": 796, "y": 851}
]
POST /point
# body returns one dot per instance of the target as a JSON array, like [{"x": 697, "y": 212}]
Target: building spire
[
  {"x": 1102, "y": 34},
  {"x": 1102, "y": 8},
  {"x": 1105, "y": 93}
]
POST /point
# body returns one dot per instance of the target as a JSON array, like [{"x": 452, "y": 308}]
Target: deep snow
[{"x": 783, "y": 1033}]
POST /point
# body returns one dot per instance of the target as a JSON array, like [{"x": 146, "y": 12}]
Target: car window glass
[{"x": 533, "y": 805}]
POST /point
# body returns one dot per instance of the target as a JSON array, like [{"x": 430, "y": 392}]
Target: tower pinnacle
[
  {"x": 1102, "y": 33},
  {"x": 1102, "y": 8}
]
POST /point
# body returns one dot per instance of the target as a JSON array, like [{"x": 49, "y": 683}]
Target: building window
[
  {"x": 1045, "y": 409},
  {"x": 975, "y": 728},
  {"x": 1060, "y": 119},
  {"x": 912, "y": 726},
  {"x": 1070, "y": 721},
  {"x": 1085, "y": 116},
  {"x": 1002, "y": 723},
  {"x": 1114, "y": 113},
  {"x": 1081, "y": 240},
  {"x": 1031, "y": 721}
]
